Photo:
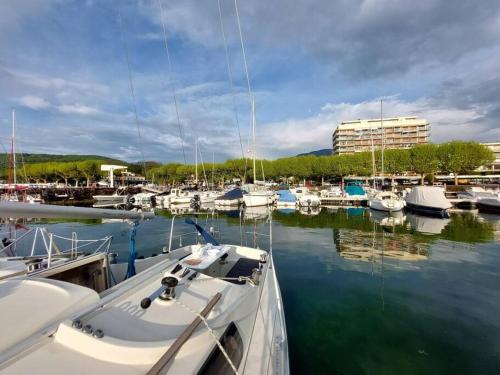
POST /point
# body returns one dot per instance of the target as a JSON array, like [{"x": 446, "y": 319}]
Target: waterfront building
[
  {"x": 495, "y": 166},
  {"x": 397, "y": 132}
]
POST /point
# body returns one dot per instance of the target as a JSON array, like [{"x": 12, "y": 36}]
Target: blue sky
[{"x": 312, "y": 64}]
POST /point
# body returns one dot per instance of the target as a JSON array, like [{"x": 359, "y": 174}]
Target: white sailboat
[
  {"x": 386, "y": 201},
  {"x": 259, "y": 195},
  {"x": 203, "y": 308}
]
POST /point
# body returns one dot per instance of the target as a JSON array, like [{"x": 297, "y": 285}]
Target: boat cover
[
  {"x": 428, "y": 196},
  {"x": 232, "y": 194},
  {"x": 286, "y": 196},
  {"x": 354, "y": 190}
]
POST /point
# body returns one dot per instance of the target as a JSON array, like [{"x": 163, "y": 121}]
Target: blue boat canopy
[
  {"x": 354, "y": 190},
  {"x": 232, "y": 194},
  {"x": 286, "y": 196}
]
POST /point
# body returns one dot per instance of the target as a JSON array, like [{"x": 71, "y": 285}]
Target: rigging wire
[
  {"x": 169, "y": 63},
  {"x": 132, "y": 91},
  {"x": 229, "y": 74},
  {"x": 247, "y": 75},
  {"x": 203, "y": 166}
]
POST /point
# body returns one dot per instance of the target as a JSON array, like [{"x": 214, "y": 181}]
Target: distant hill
[
  {"x": 322, "y": 152},
  {"x": 42, "y": 158}
]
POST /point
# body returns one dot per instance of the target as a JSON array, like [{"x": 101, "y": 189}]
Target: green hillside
[{"x": 43, "y": 158}]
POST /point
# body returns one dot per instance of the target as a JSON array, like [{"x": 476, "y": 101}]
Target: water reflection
[
  {"x": 373, "y": 247},
  {"x": 460, "y": 227}
]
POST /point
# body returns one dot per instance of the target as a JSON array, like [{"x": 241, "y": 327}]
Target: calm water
[{"x": 365, "y": 294}]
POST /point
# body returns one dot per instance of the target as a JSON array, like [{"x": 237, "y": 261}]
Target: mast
[
  {"x": 383, "y": 143},
  {"x": 196, "y": 161},
  {"x": 14, "y": 145},
  {"x": 253, "y": 139},
  {"x": 373, "y": 157},
  {"x": 213, "y": 168}
]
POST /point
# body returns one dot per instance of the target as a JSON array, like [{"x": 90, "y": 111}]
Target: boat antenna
[
  {"x": 230, "y": 78},
  {"x": 172, "y": 85},
  {"x": 132, "y": 91}
]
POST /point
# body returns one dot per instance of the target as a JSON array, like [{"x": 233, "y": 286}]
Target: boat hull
[
  {"x": 257, "y": 200},
  {"x": 428, "y": 211},
  {"x": 488, "y": 205},
  {"x": 387, "y": 205}
]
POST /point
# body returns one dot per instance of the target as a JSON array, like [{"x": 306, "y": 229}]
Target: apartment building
[
  {"x": 495, "y": 166},
  {"x": 398, "y": 132}
]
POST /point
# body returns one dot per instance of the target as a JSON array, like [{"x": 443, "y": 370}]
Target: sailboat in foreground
[{"x": 199, "y": 309}]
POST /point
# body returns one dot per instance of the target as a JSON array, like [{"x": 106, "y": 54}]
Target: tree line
[{"x": 456, "y": 157}]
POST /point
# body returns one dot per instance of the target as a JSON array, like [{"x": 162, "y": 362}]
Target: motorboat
[
  {"x": 258, "y": 198},
  {"x": 144, "y": 199},
  {"x": 286, "y": 199},
  {"x": 332, "y": 192},
  {"x": 179, "y": 196},
  {"x": 488, "y": 205},
  {"x": 201, "y": 309},
  {"x": 309, "y": 200},
  {"x": 429, "y": 201},
  {"x": 256, "y": 195},
  {"x": 386, "y": 201},
  {"x": 299, "y": 191},
  {"x": 355, "y": 191},
  {"x": 207, "y": 196},
  {"x": 475, "y": 192},
  {"x": 118, "y": 198},
  {"x": 469, "y": 198}
]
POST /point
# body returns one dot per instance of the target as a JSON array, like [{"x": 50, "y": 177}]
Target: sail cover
[{"x": 428, "y": 196}]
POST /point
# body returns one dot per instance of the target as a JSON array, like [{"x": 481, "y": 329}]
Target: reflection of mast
[{"x": 382, "y": 273}]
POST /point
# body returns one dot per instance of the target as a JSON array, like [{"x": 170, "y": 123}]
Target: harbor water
[{"x": 364, "y": 293}]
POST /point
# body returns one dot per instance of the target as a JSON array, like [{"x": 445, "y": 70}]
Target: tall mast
[
  {"x": 383, "y": 143},
  {"x": 196, "y": 161},
  {"x": 253, "y": 139},
  {"x": 213, "y": 168},
  {"x": 14, "y": 146},
  {"x": 373, "y": 157}
]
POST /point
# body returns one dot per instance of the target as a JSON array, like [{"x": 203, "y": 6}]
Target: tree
[
  {"x": 396, "y": 162},
  {"x": 463, "y": 157},
  {"x": 424, "y": 159},
  {"x": 89, "y": 169}
]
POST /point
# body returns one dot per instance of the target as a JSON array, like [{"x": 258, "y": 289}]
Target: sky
[{"x": 93, "y": 77}]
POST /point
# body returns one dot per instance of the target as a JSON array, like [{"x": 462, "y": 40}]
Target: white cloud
[
  {"x": 78, "y": 109},
  {"x": 299, "y": 135},
  {"x": 33, "y": 102}
]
